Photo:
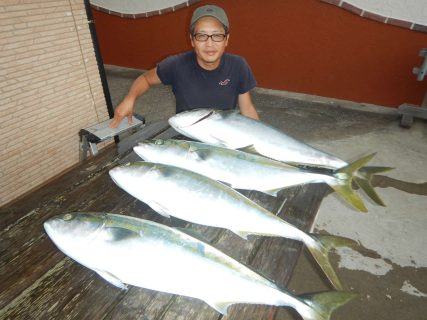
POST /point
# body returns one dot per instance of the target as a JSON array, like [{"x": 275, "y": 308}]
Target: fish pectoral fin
[
  {"x": 242, "y": 234},
  {"x": 220, "y": 306},
  {"x": 162, "y": 210},
  {"x": 115, "y": 234},
  {"x": 199, "y": 154},
  {"x": 112, "y": 279}
]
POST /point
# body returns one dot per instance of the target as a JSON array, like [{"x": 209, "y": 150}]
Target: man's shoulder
[
  {"x": 234, "y": 57},
  {"x": 181, "y": 57}
]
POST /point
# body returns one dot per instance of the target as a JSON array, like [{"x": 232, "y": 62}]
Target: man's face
[{"x": 208, "y": 52}]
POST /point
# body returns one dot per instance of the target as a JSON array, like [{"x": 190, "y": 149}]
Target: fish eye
[
  {"x": 159, "y": 141},
  {"x": 67, "y": 217}
]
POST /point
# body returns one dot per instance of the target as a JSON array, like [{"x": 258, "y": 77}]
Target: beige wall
[{"x": 49, "y": 89}]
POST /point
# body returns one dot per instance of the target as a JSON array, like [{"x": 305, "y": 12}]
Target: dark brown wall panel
[{"x": 302, "y": 46}]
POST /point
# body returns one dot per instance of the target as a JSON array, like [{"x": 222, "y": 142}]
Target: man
[{"x": 203, "y": 78}]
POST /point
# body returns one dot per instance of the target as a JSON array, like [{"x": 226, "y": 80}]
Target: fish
[
  {"x": 232, "y": 130},
  {"x": 243, "y": 170},
  {"x": 126, "y": 250},
  {"x": 187, "y": 195}
]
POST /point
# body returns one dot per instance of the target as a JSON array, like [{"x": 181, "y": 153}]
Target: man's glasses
[{"x": 217, "y": 37}]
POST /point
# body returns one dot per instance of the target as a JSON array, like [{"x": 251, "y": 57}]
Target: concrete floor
[{"x": 389, "y": 268}]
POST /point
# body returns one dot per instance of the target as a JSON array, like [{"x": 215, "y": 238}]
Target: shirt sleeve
[
  {"x": 247, "y": 79},
  {"x": 166, "y": 70}
]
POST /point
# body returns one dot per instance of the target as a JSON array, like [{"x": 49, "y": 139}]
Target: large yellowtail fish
[
  {"x": 243, "y": 170},
  {"x": 125, "y": 250},
  {"x": 187, "y": 195},
  {"x": 232, "y": 130}
]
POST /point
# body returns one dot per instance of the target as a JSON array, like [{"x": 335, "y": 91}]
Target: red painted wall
[{"x": 303, "y": 46}]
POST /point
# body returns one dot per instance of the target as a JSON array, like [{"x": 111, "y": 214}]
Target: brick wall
[{"x": 49, "y": 89}]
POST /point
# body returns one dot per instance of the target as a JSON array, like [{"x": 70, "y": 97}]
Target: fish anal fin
[
  {"x": 220, "y": 306},
  {"x": 111, "y": 279},
  {"x": 242, "y": 234},
  {"x": 193, "y": 233},
  {"x": 272, "y": 192},
  {"x": 159, "y": 209}
]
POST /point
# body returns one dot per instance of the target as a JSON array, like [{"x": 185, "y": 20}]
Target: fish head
[
  {"x": 137, "y": 176},
  {"x": 157, "y": 149},
  {"x": 190, "y": 118},
  {"x": 74, "y": 229},
  {"x": 130, "y": 170}
]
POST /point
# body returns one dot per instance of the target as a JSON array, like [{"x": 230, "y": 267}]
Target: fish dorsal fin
[
  {"x": 111, "y": 279},
  {"x": 220, "y": 306},
  {"x": 249, "y": 149}
]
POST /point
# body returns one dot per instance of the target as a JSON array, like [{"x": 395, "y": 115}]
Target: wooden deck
[{"x": 37, "y": 281}]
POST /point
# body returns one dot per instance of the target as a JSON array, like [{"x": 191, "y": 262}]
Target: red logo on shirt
[{"x": 225, "y": 82}]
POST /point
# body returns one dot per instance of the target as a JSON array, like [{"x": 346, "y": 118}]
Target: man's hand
[
  {"x": 246, "y": 106},
  {"x": 138, "y": 88},
  {"x": 124, "y": 109}
]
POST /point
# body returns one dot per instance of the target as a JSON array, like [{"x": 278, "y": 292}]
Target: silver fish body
[
  {"x": 125, "y": 250},
  {"x": 173, "y": 191},
  {"x": 234, "y": 131},
  {"x": 239, "y": 169}
]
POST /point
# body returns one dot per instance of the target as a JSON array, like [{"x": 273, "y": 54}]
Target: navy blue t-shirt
[{"x": 195, "y": 87}]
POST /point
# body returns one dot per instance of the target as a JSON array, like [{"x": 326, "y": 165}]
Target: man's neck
[{"x": 208, "y": 66}]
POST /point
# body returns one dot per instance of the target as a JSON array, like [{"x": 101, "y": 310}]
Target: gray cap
[{"x": 210, "y": 11}]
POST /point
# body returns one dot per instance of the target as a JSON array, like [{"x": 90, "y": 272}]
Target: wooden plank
[
  {"x": 38, "y": 281},
  {"x": 413, "y": 110},
  {"x": 26, "y": 251},
  {"x": 276, "y": 257},
  {"x": 147, "y": 132}
]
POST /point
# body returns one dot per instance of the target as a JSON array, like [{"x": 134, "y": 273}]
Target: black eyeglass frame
[{"x": 223, "y": 35}]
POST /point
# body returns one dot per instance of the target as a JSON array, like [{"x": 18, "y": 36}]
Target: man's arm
[
  {"x": 246, "y": 106},
  {"x": 140, "y": 86}
]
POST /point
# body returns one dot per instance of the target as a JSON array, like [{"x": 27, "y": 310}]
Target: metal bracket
[
  {"x": 421, "y": 71},
  {"x": 409, "y": 111},
  {"x": 91, "y": 136}
]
